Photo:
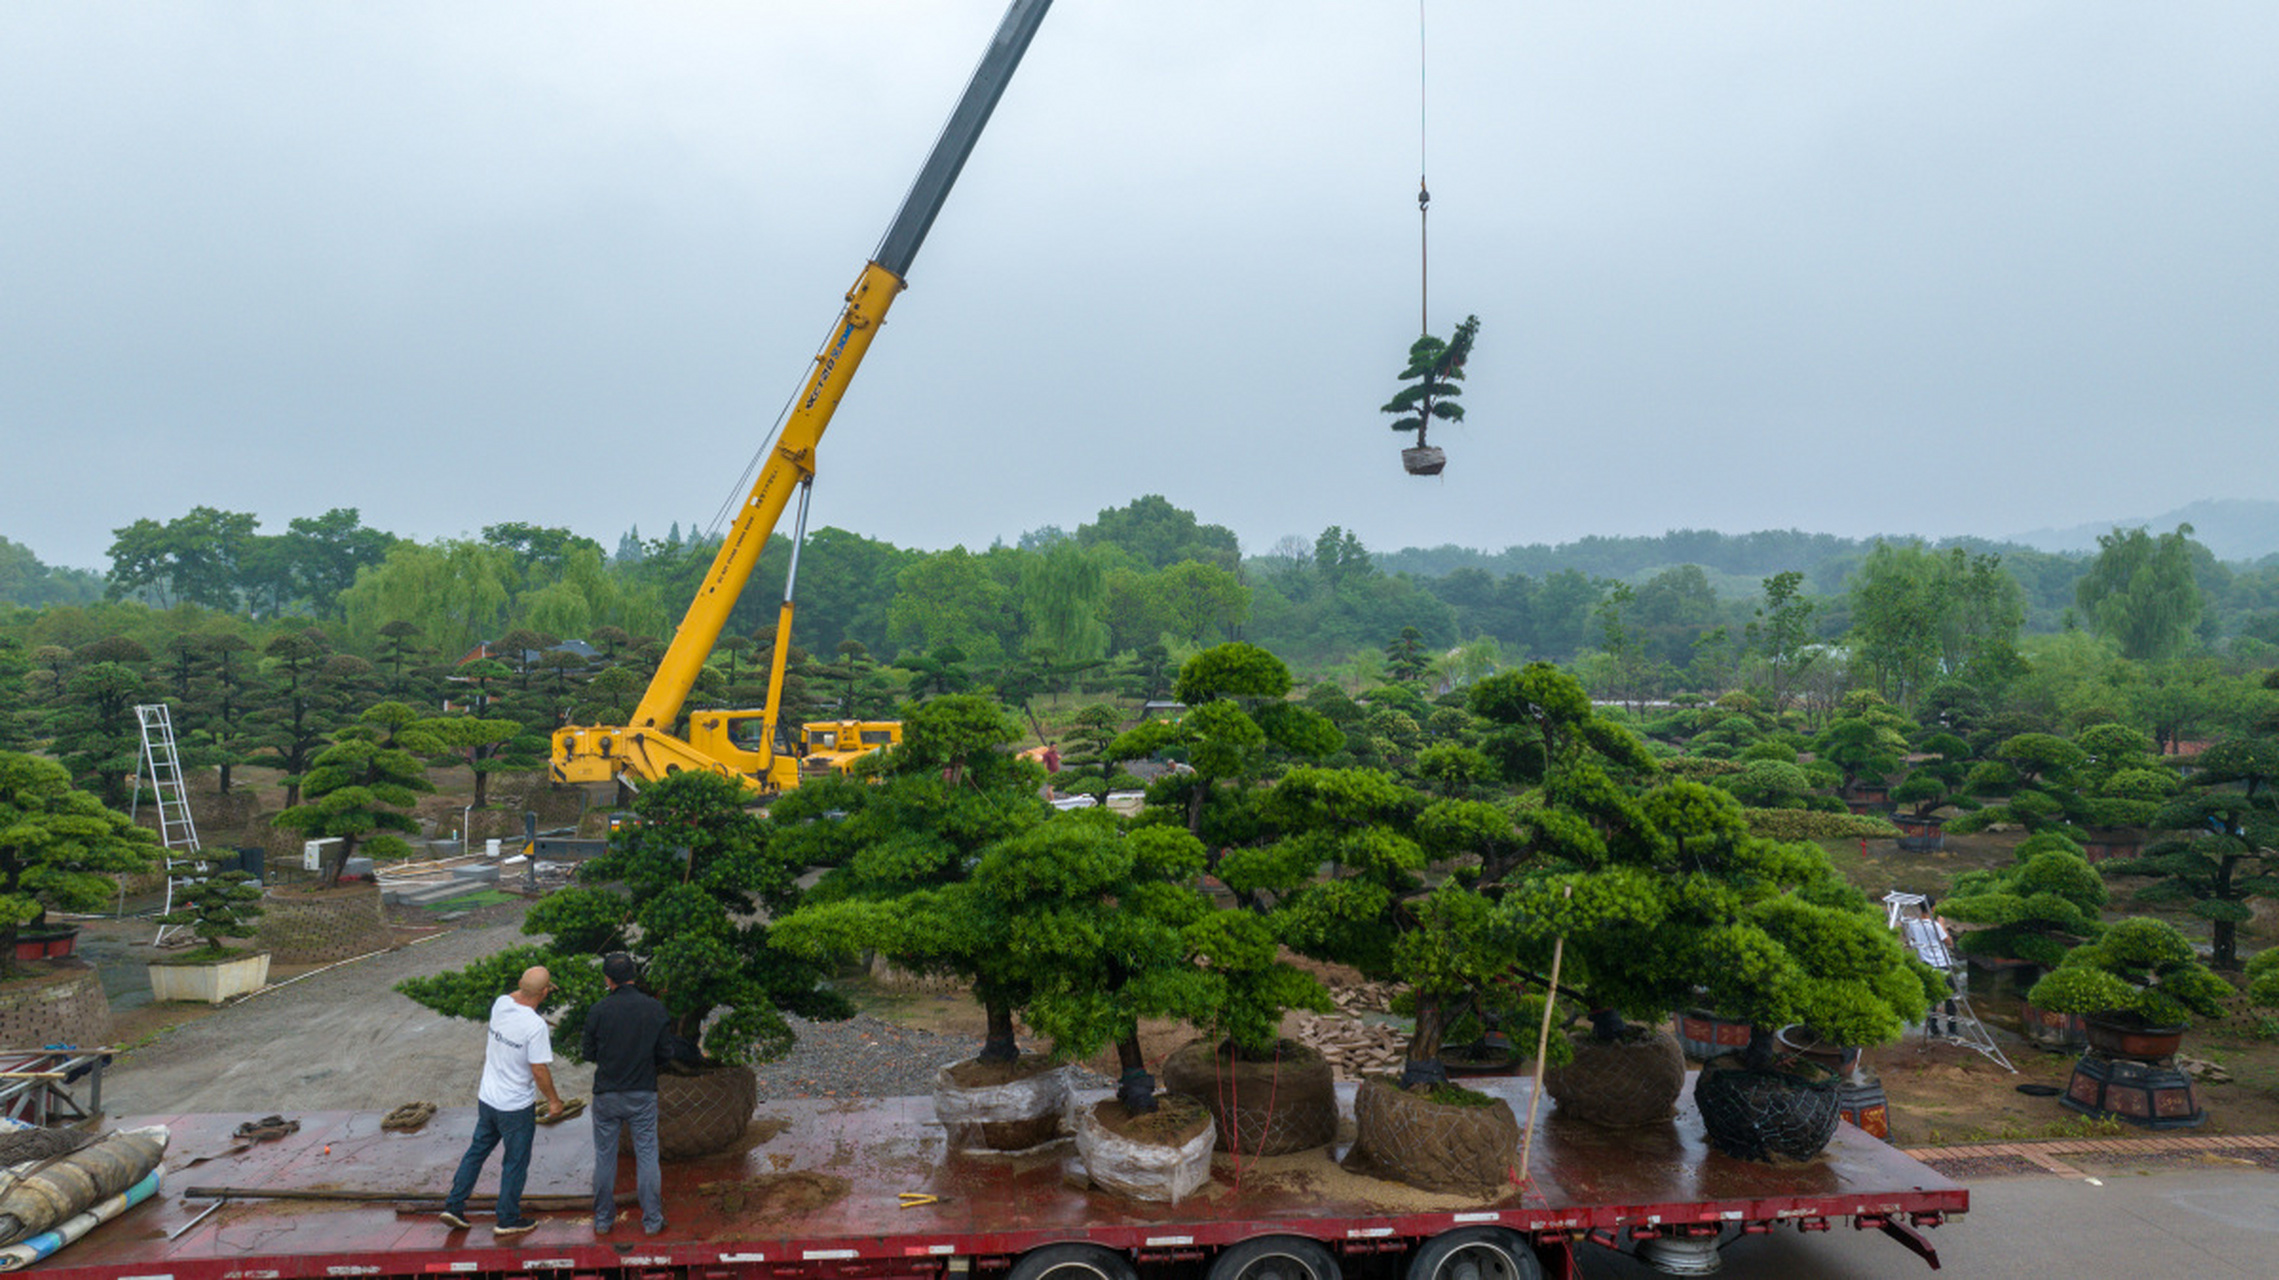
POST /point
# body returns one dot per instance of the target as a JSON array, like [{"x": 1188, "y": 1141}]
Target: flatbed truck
[{"x": 868, "y": 1188}]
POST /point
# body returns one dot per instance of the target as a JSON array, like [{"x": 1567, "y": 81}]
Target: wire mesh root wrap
[
  {"x": 1284, "y": 1104},
  {"x": 705, "y": 1112},
  {"x": 1014, "y": 1116},
  {"x": 1622, "y": 1083},
  {"x": 1407, "y": 1137},
  {"x": 1766, "y": 1115}
]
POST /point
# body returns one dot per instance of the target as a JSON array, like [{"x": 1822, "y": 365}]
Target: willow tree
[
  {"x": 2140, "y": 590},
  {"x": 1434, "y": 369}
]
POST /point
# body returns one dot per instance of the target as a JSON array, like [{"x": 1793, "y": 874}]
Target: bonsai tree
[
  {"x": 2220, "y": 842},
  {"x": 2036, "y": 910},
  {"x": 2140, "y": 966},
  {"x": 58, "y": 846},
  {"x": 1434, "y": 370},
  {"x": 688, "y": 890},
  {"x": 903, "y": 849},
  {"x": 364, "y": 786},
  {"x": 1376, "y": 910},
  {"x": 219, "y": 907},
  {"x": 1097, "y": 919},
  {"x": 2122, "y": 783},
  {"x": 1867, "y": 740},
  {"x": 2035, "y": 771},
  {"x": 1235, "y": 715},
  {"x": 1936, "y": 780}
]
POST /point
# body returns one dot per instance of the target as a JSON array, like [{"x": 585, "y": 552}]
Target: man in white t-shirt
[{"x": 515, "y": 1072}]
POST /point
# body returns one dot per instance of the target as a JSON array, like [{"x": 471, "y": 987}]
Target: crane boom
[{"x": 646, "y": 746}]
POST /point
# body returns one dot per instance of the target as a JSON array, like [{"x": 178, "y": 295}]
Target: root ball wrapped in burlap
[
  {"x": 1407, "y": 1137},
  {"x": 1285, "y": 1103},
  {"x": 1631, "y": 1081}
]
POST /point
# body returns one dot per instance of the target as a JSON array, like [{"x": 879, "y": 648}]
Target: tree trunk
[
  {"x": 1136, "y": 1088},
  {"x": 337, "y": 863},
  {"x": 998, "y": 1045},
  {"x": 1422, "y": 1063},
  {"x": 482, "y": 785}
]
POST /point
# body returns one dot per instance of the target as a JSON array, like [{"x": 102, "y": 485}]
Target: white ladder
[
  {"x": 1909, "y": 914},
  {"x": 177, "y": 831}
]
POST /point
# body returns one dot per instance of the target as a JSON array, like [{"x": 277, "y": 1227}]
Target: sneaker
[
  {"x": 648, "y": 1230},
  {"x": 505, "y": 1229},
  {"x": 454, "y": 1221}
]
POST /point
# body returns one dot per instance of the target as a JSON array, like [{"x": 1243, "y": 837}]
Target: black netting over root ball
[{"x": 1766, "y": 1115}]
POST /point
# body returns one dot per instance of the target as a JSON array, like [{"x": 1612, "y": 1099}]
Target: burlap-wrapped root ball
[
  {"x": 1631, "y": 1081},
  {"x": 1407, "y": 1137},
  {"x": 1284, "y": 1103},
  {"x": 704, "y": 1112}
]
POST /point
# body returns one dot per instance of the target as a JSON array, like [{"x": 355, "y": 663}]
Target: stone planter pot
[
  {"x": 210, "y": 983},
  {"x": 1704, "y": 1035},
  {"x": 52, "y": 943},
  {"x": 1769, "y": 1114},
  {"x": 1621, "y": 1083},
  {"x": 2051, "y": 1029},
  {"x": 2106, "y": 844},
  {"x": 1407, "y": 1137},
  {"x": 1802, "y": 1041},
  {"x": 1283, "y": 1104},
  {"x": 1920, "y": 835},
  {"x": 705, "y": 1112},
  {"x": 2126, "y": 1035}
]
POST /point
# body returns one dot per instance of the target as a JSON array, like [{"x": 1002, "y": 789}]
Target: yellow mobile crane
[{"x": 724, "y": 742}]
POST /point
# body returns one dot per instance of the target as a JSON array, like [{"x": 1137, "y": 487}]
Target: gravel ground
[
  {"x": 867, "y": 1057},
  {"x": 343, "y": 1040}
]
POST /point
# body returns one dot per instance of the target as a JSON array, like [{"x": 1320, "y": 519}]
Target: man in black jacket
[{"x": 626, "y": 1037}]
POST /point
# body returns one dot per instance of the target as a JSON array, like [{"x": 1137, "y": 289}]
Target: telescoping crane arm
[{"x": 646, "y": 747}]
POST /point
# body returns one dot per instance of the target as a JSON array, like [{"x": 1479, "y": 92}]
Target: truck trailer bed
[{"x": 817, "y": 1190}]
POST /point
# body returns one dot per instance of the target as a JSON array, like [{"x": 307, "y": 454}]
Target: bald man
[{"x": 515, "y": 1072}]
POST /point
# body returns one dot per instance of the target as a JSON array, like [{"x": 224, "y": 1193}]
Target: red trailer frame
[{"x": 1589, "y": 1185}]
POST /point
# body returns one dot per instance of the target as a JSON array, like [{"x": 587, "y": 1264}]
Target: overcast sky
[{"x": 1852, "y": 267}]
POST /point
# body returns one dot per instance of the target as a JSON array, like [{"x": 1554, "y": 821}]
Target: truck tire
[
  {"x": 1475, "y": 1253},
  {"x": 1276, "y": 1258},
  {"x": 1072, "y": 1262}
]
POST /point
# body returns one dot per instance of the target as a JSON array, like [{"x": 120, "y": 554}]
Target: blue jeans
[
  {"x": 638, "y": 1112},
  {"x": 493, "y": 1126}
]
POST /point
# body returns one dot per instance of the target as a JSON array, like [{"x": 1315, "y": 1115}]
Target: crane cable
[{"x": 1423, "y": 193}]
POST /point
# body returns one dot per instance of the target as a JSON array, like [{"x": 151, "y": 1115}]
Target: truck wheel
[
  {"x": 1072, "y": 1262},
  {"x": 1276, "y": 1258},
  {"x": 1475, "y": 1253}
]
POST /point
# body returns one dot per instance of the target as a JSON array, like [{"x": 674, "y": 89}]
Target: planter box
[
  {"x": 1920, "y": 835},
  {"x": 210, "y": 983},
  {"x": 2052, "y": 1030},
  {"x": 46, "y": 944},
  {"x": 2129, "y": 1036},
  {"x": 2107, "y": 844}
]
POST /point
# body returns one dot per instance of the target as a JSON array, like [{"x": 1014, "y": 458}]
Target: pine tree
[{"x": 1434, "y": 369}]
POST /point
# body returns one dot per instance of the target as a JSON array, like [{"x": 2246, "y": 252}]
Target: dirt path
[{"x": 335, "y": 1041}]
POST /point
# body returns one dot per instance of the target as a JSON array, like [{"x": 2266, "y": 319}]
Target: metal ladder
[
  {"x": 1929, "y": 946},
  {"x": 162, "y": 764}
]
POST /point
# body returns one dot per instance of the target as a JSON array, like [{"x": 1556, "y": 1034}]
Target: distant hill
[{"x": 2232, "y": 528}]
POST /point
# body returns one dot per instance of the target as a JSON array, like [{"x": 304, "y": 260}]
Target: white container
[
  {"x": 210, "y": 983},
  {"x": 490, "y": 848}
]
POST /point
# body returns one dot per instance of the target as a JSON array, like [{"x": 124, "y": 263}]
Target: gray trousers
[{"x": 638, "y": 1112}]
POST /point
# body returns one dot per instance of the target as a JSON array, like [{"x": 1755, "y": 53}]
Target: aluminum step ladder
[
  {"x": 177, "y": 831},
  {"x": 1909, "y": 913}
]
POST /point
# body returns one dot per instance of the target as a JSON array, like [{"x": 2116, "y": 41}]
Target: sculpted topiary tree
[
  {"x": 904, "y": 848},
  {"x": 2121, "y": 782},
  {"x": 2219, "y": 845},
  {"x": 1235, "y": 716},
  {"x": 1867, "y": 740},
  {"x": 364, "y": 786},
  {"x": 1434, "y": 369},
  {"x": 1936, "y": 781},
  {"x": 2036, "y": 910},
  {"x": 1097, "y": 919},
  {"x": 688, "y": 889},
  {"x": 2036, "y": 770},
  {"x": 58, "y": 846},
  {"x": 2140, "y": 966}
]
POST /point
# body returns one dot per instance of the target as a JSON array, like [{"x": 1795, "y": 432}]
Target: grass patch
[{"x": 472, "y": 901}]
